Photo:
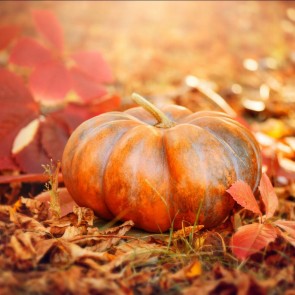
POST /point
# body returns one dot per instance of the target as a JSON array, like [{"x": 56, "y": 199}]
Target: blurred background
[{"x": 152, "y": 45}]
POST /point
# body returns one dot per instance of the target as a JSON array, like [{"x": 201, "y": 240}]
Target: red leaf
[
  {"x": 268, "y": 196},
  {"x": 31, "y": 158},
  {"x": 72, "y": 116},
  {"x": 50, "y": 82},
  {"x": 18, "y": 108},
  {"x": 93, "y": 65},
  {"x": 287, "y": 225},
  {"x": 49, "y": 27},
  {"x": 29, "y": 53},
  {"x": 7, "y": 34},
  {"x": 251, "y": 238},
  {"x": 243, "y": 195},
  {"x": 85, "y": 86},
  {"x": 107, "y": 104},
  {"x": 54, "y": 137}
]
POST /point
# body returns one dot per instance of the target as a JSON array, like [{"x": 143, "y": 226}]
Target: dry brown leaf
[
  {"x": 100, "y": 241},
  {"x": 60, "y": 253},
  {"x": 32, "y": 207},
  {"x": 27, "y": 223}
]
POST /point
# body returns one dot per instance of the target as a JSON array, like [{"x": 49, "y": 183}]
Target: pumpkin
[{"x": 160, "y": 167}]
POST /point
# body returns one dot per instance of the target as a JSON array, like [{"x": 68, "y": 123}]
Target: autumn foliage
[
  {"x": 58, "y": 71},
  {"x": 253, "y": 237},
  {"x": 45, "y": 92}
]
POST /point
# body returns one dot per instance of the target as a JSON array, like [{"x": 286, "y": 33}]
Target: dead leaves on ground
[{"x": 71, "y": 255}]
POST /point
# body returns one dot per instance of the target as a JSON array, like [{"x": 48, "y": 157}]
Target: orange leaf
[
  {"x": 268, "y": 196},
  {"x": 251, "y": 238},
  {"x": 243, "y": 195},
  {"x": 193, "y": 270}
]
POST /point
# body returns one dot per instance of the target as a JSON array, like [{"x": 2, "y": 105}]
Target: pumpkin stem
[{"x": 163, "y": 120}]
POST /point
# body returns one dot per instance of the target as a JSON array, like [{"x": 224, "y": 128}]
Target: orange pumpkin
[{"x": 160, "y": 168}]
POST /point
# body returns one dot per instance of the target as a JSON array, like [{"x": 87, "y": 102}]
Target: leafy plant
[
  {"x": 59, "y": 90},
  {"x": 253, "y": 237}
]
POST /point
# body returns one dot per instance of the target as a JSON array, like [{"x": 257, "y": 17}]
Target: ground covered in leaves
[
  {"x": 195, "y": 54},
  {"x": 72, "y": 255}
]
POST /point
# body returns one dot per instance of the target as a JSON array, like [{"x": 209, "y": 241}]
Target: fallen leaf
[
  {"x": 288, "y": 238},
  {"x": 288, "y": 228},
  {"x": 243, "y": 195},
  {"x": 268, "y": 196},
  {"x": 61, "y": 252},
  {"x": 193, "y": 270},
  {"x": 32, "y": 208},
  {"x": 27, "y": 223},
  {"x": 84, "y": 215},
  {"x": 251, "y": 238},
  {"x": 99, "y": 241}
]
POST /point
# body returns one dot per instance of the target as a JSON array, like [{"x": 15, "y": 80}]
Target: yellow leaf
[{"x": 193, "y": 270}]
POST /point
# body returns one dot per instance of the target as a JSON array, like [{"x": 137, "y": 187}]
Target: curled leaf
[
  {"x": 268, "y": 196},
  {"x": 243, "y": 195}
]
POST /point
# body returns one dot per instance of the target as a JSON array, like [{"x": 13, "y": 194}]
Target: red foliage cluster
[
  {"x": 251, "y": 238},
  {"x": 37, "y": 118}
]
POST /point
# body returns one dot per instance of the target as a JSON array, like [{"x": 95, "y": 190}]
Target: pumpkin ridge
[
  {"x": 241, "y": 130},
  {"x": 227, "y": 146},
  {"x": 206, "y": 202},
  {"x": 135, "y": 194},
  {"x": 178, "y": 210},
  {"x": 80, "y": 150},
  {"x": 254, "y": 145}
]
